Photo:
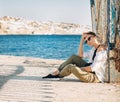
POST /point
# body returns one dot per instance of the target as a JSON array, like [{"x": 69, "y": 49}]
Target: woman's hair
[
  {"x": 97, "y": 36},
  {"x": 90, "y": 33},
  {"x": 93, "y": 34}
]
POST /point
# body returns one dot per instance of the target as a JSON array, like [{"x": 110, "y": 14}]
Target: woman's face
[{"x": 90, "y": 40}]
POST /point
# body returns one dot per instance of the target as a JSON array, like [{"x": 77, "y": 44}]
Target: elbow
[{"x": 80, "y": 55}]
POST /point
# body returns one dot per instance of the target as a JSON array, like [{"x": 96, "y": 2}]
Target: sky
[{"x": 68, "y": 11}]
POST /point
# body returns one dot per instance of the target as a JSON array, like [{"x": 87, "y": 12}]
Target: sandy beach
[{"x": 20, "y": 81}]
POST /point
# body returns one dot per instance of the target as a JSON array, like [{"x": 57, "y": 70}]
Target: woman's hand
[
  {"x": 87, "y": 69},
  {"x": 84, "y": 35},
  {"x": 80, "y": 50}
]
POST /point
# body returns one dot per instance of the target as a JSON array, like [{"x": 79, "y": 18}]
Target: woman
[{"x": 93, "y": 71}]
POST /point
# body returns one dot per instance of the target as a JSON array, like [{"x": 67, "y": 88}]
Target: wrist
[{"x": 82, "y": 40}]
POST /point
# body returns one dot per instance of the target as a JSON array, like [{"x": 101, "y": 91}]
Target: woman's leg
[
  {"x": 80, "y": 74},
  {"x": 74, "y": 59}
]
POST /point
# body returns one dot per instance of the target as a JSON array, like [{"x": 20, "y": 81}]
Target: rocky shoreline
[{"x": 12, "y": 25}]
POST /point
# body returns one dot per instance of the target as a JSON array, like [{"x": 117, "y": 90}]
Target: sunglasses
[{"x": 89, "y": 38}]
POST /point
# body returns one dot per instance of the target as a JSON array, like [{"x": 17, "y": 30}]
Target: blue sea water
[{"x": 42, "y": 46}]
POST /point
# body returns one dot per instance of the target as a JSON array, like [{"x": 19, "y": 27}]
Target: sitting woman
[{"x": 93, "y": 71}]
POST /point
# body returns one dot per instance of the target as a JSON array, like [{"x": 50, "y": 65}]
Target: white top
[{"x": 99, "y": 65}]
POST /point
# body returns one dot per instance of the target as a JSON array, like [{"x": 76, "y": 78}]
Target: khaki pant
[
  {"x": 74, "y": 59},
  {"x": 72, "y": 65}
]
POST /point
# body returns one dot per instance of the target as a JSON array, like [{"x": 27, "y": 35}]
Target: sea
[{"x": 41, "y": 46}]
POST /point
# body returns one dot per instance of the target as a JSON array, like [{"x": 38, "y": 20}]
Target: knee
[
  {"x": 70, "y": 67},
  {"x": 74, "y": 56},
  {"x": 73, "y": 68}
]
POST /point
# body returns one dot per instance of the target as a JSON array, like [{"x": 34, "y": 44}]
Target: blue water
[{"x": 42, "y": 46}]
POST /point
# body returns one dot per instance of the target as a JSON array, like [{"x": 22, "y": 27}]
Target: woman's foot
[{"x": 51, "y": 76}]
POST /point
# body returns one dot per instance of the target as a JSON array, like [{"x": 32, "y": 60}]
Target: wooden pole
[{"x": 108, "y": 36}]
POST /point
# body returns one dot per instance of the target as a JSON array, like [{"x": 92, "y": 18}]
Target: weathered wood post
[{"x": 106, "y": 23}]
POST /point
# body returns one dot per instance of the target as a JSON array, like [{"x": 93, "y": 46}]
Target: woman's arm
[
  {"x": 80, "y": 51},
  {"x": 87, "y": 69}
]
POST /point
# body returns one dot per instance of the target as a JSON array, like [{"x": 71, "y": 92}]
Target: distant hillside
[{"x": 11, "y": 25}]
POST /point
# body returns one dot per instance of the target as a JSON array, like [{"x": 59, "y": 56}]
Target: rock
[{"x": 11, "y": 25}]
